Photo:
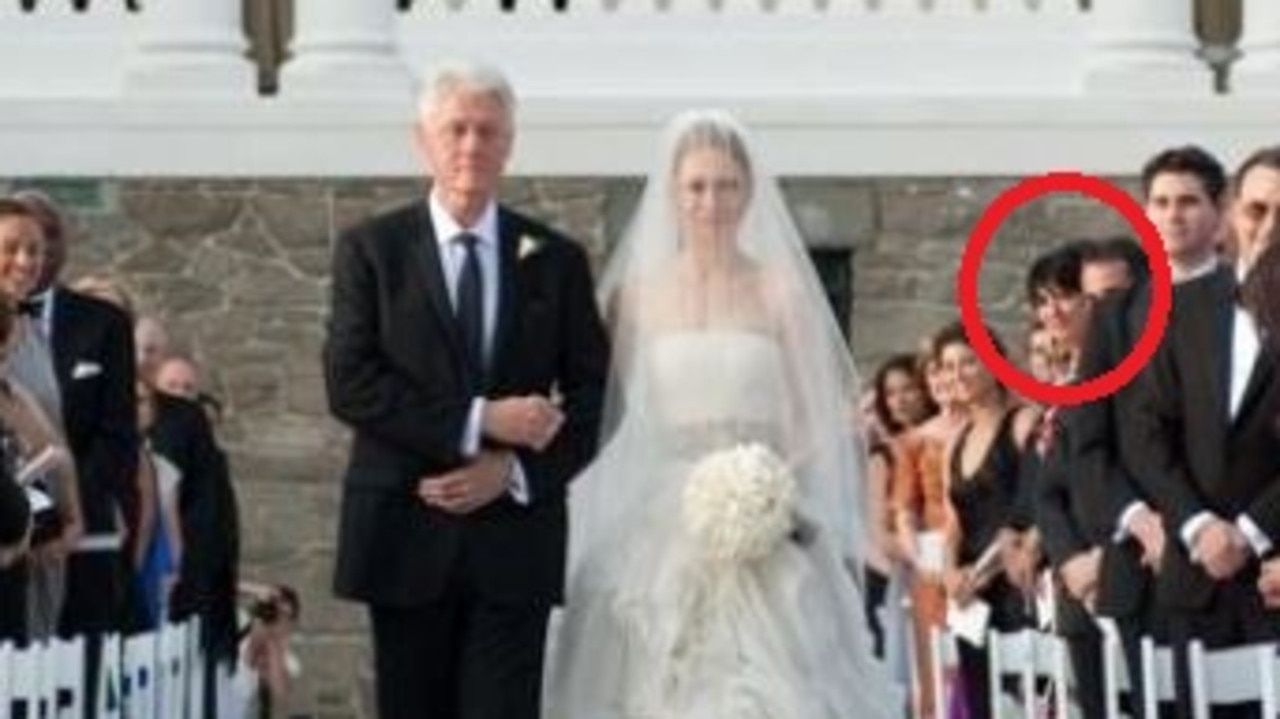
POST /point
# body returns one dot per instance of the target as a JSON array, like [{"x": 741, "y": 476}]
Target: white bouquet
[{"x": 740, "y": 503}]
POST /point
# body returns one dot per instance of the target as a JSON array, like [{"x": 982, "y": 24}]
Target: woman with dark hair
[
  {"x": 900, "y": 401},
  {"x": 982, "y": 478}
]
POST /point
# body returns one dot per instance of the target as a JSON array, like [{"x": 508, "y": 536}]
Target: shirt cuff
[
  {"x": 471, "y": 434},
  {"x": 518, "y": 484},
  {"x": 1193, "y": 526},
  {"x": 1258, "y": 539},
  {"x": 1126, "y": 517}
]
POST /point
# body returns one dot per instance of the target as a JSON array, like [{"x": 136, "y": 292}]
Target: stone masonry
[{"x": 238, "y": 271}]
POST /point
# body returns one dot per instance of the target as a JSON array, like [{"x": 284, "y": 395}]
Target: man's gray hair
[{"x": 453, "y": 76}]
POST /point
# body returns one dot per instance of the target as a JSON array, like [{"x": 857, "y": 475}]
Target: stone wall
[{"x": 238, "y": 271}]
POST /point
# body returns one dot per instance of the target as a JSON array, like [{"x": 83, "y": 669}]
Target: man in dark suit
[
  {"x": 1073, "y": 549},
  {"x": 1209, "y": 450},
  {"x": 92, "y": 346},
  {"x": 466, "y": 352},
  {"x": 1183, "y": 190}
]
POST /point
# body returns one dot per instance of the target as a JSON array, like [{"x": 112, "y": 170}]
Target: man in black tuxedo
[
  {"x": 92, "y": 346},
  {"x": 1183, "y": 190},
  {"x": 1074, "y": 549},
  {"x": 466, "y": 352},
  {"x": 1207, "y": 440}
]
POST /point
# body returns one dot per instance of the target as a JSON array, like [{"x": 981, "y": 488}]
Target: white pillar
[
  {"x": 191, "y": 48},
  {"x": 344, "y": 49},
  {"x": 1258, "y": 71},
  {"x": 1145, "y": 47}
]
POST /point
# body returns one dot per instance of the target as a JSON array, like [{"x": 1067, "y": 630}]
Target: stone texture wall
[{"x": 238, "y": 271}]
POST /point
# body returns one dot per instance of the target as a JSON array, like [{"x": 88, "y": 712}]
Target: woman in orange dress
[{"x": 923, "y": 523}]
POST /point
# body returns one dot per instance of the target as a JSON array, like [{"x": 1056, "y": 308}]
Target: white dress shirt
[
  {"x": 452, "y": 256},
  {"x": 1245, "y": 347}
]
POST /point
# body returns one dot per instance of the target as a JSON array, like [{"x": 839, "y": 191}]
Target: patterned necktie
[
  {"x": 1048, "y": 431},
  {"x": 469, "y": 306}
]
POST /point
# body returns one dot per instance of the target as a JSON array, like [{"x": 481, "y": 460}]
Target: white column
[
  {"x": 1145, "y": 47},
  {"x": 1258, "y": 71},
  {"x": 344, "y": 49},
  {"x": 191, "y": 48}
]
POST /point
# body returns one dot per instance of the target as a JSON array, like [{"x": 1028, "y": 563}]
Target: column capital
[
  {"x": 345, "y": 49},
  {"x": 1145, "y": 47},
  {"x": 191, "y": 48},
  {"x": 1258, "y": 70}
]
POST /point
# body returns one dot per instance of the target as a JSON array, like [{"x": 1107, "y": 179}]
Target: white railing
[
  {"x": 835, "y": 87},
  {"x": 152, "y": 675},
  {"x": 638, "y": 48}
]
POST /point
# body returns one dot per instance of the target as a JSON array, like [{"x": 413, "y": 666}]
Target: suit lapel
[
  {"x": 508, "y": 292},
  {"x": 1218, "y": 313},
  {"x": 60, "y": 326},
  {"x": 1260, "y": 374},
  {"x": 1260, "y": 378},
  {"x": 425, "y": 248}
]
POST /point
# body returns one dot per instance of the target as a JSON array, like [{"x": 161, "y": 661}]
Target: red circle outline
[{"x": 971, "y": 311}]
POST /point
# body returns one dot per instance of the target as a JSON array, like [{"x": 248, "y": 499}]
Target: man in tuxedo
[
  {"x": 92, "y": 346},
  {"x": 1074, "y": 551},
  {"x": 1207, "y": 443},
  {"x": 466, "y": 352},
  {"x": 1183, "y": 190}
]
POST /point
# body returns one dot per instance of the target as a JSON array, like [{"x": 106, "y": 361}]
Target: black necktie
[
  {"x": 32, "y": 307},
  {"x": 470, "y": 304}
]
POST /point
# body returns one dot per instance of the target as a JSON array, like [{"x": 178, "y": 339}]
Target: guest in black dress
[{"x": 983, "y": 470}]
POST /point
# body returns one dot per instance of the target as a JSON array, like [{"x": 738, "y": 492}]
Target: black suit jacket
[
  {"x": 396, "y": 374},
  {"x": 208, "y": 516},
  {"x": 1100, "y": 450},
  {"x": 1193, "y": 455},
  {"x": 92, "y": 345}
]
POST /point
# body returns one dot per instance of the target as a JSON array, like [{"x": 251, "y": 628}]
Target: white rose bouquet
[{"x": 740, "y": 503}]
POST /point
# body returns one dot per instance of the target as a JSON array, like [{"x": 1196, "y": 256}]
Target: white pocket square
[{"x": 84, "y": 370}]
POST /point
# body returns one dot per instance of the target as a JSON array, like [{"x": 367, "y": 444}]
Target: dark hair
[
  {"x": 1057, "y": 269},
  {"x": 1118, "y": 248},
  {"x": 1187, "y": 160},
  {"x": 954, "y": 334},
  {"x": 8, "y": 316},
  {"x": 15, "y": 512},
  {"x": 43, "y": 210},
  {"x": 1257, "y": 293},
  {"x": 1268, "y": 157},
  {"x": 10, "y": 207},
  {"x": 907, "y": 364}
]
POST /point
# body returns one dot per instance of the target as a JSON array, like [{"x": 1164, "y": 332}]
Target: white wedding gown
[{"x": 650, "y": 630}]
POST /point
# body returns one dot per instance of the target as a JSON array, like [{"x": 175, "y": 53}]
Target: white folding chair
[
  {"x": 66, "y": 676},
  {"x": 1232, "y": 675},
  {"x": 1028, "y": 655},
  {"x": 1158, "y": 684},
  {"x": 942, "y": 657},
  {"x": 6, "y": 662},
  {"x": 1115, "y": 672},
  {"x": 171, "y": 671},
  {"x": 109, "y": 694},
  {"x": 139, "y": 676},
  {"x": 27, "y": 686},
  {"x": 195, "y": 671}
]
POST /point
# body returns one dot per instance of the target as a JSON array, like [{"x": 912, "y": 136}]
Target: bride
[{"x": 709, "y": 540}]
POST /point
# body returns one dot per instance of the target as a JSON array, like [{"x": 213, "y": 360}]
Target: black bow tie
[{"x": 32, "y": 307}]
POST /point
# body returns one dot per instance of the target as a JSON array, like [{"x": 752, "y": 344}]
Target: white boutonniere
[{"x": 528, "y": 246}]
